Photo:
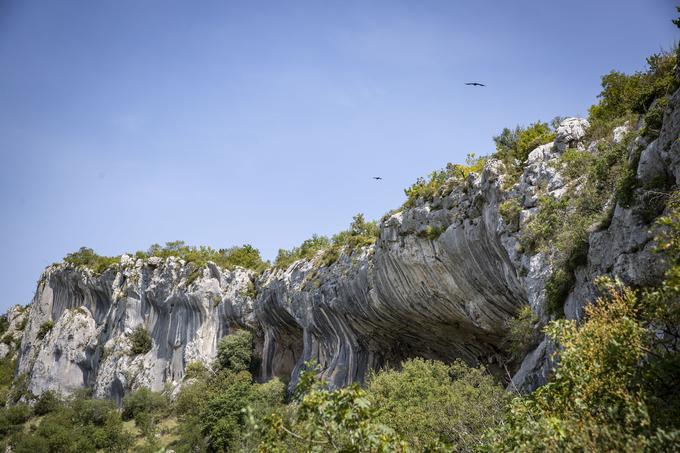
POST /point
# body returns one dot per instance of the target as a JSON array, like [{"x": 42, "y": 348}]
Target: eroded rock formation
[{"x": 414, "y": 293}]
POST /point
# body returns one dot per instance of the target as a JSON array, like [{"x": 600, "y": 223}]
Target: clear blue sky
[{"x": 129, "y": 122}]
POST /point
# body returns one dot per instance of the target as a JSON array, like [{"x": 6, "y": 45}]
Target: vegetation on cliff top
[
  {"x": 245, "y": 256},
  {"x": 361, "y": 233}
]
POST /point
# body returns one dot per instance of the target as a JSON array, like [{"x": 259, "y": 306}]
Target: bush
[
  {"x": 442, "y": 182},
  {"x": 81, "y": 424},
  {"x": 235, "y": 351},
  {"x": 143, "y": 400},
  {"x": 510, "y": 210},
  {"x": 522, "y": 333},
  {"x": 427, "y": 402},
  {"x": 4, "y": 324},
  {"x": 140, "y": 341},
  {"x": 625, "y": 95},
  {"x": 86, "y": 257},
  {"x": 306, "y": 250},
  {"x": 513, "y": 146},
  {"x": 44, "y": 329},
  {"x": 323, "y": 420},
  {"x": 47, "y": 402},
  {"x": 432, "y": 232}
]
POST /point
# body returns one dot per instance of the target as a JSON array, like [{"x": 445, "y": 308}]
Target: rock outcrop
[{"x": 442, "y": 281}]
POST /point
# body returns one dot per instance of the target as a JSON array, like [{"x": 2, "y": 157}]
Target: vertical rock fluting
[{"x": 91, "y": 319}]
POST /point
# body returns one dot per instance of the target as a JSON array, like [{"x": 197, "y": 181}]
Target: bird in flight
[
  {"x": 475, "y": 84},
  {"x": 377, "y": 178}
]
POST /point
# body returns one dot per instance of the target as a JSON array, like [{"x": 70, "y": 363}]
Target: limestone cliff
[{"x": 442, "y": 295}]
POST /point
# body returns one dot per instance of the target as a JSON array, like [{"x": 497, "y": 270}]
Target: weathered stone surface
[{"x": 93, "y": 317}]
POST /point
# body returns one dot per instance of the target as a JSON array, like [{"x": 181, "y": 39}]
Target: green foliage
[
  {"x": 48, "y": 402},
  {"x": 12, "y": 418},
  {"x": 442, "y": 182},
  {"x": 7, "y": 366},
  {"x": 246, "y": 256},
  {"x": 4, "y": 324},
  {"x": 86, "y": 257},
  {"x": 625, "y": 95},
  {"x": 212, "y": 410},
  {"x": 432, "y": 232},
  {"x": 140, "y": 341},
  {"x": 44, "y": 329},
  {"x": 307, "y": 250},
  {"x": 523, "y": 332},
  {"x": 429, "y": 402},
  {"x": 360, "y": 234},
  {"x": 143, "y": 400},
  {"x": 235, "y": 351},
  {"x": 654, "y": 118},
  {"x": 196, "y": 370},
  {"x": 510, "y": 210},
  {"x": 322, "y": 420},
  {"x": 77, "y": 425},
  {"x": 513, "y": 146}
]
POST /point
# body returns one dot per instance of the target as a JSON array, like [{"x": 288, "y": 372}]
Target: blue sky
[{"x": 129, "y": 122}]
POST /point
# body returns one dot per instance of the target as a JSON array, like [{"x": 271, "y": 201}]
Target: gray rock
[{"x": 570, "y": 133}]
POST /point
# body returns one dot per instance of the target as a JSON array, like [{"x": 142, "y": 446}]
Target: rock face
[
  {"x": 441, "y": 282},
  {"x": 184, "y": 310}
]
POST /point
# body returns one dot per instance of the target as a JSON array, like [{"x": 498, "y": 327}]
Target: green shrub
[
  {"x": 432, "y": 232},
  {"x": 48, "y": 402},
  {"x": 140, "y": 341},
  {"x": 4, "y": 324},
  {"x": 323, "y": 420},
  {"x": 625, "y": 95},
  {"x": 541, "y": 228},
  {"x": 513, "y": 146},
  {"x": 143, "y": 400},
  {"x": 86, "y": 257},
  {"x": 196, "y": 370},
  {"x": 522, "y": 332},
  {"x": 557, "y": 288},
  {"x": 45, "y": 329},
  {"x": 235, "y": 351},
  {"x": 510, "y": 210},
  {"x": 12, "y": 418},
  {"x": 246, "y": 256},
  {"x": 81, "y": 424},
  {"x": 442, "y": 182},
  {"x": 426, "y": 402},
  {"x": 306, "y": 250},
  {"x": 653, "y": 119}
]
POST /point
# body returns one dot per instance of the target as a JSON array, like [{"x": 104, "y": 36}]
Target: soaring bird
[
  {"x": 475, "y": 84},
  {"x": 377, "y": 178}
]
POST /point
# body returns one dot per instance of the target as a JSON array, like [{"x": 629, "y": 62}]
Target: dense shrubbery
[
  {"x": 211, "y": 409},
  {"x": 360, "y": 234},
  {"x": 523, "y": 332},
  {"x": 430, "y": 403},
  {"x": 246, "y": 256},
  {"x": 79, "y": 424},
  {"x": 626, "y": 96},
  {"x": 140, "y": 341},
  {"x": 86, "y": 257},
  {"x": 306, "y": 250},
  {"x": 513, "y": 146},
  {"x": 44, "y": 329},
  {"x": 442, "y": 182}
]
